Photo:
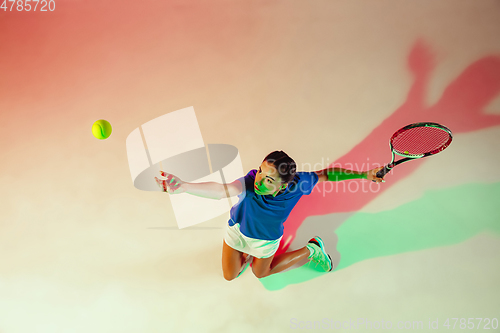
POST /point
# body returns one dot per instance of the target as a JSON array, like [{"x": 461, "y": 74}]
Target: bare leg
[
  {"x": 232, "y": 261},
  {"x": 267, "y": 266}
]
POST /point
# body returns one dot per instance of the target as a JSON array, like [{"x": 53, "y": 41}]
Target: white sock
[{"x": 311, "y": 250}]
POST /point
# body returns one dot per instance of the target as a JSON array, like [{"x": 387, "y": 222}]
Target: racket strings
[{"x": 420, "y": 140}]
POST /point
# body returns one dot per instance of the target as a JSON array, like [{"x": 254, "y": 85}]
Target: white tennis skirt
[{"x": 258, "y": 248}]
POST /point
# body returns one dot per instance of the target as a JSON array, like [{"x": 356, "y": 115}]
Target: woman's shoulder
[{"x": 306, "y": 175}]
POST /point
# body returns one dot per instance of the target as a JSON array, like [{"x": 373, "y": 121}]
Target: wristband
[{"x": 338, "y": 175}]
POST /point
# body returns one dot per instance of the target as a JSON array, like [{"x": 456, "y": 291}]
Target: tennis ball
[
  {"x": 406, "y": 152},
  {"x": 101, "y": 129}
]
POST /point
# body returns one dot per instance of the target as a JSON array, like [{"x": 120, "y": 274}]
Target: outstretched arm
[
  {"x": 339, "y": 174},
  {"x": 210, "y": 190}
]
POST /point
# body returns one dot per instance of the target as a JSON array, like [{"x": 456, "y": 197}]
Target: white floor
[{"x": 82, "y": 250}]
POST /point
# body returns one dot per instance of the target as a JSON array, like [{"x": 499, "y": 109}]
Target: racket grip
[{"x": 384, "y": 171}]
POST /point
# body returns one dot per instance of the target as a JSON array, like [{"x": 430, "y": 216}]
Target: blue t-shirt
[{"x": 262, "y": 216}]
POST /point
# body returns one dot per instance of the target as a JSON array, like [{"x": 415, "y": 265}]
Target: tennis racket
[{"x": 416, "y": 141}]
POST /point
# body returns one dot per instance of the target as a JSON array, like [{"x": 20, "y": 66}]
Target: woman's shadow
[{"x": 435, "y": 219}]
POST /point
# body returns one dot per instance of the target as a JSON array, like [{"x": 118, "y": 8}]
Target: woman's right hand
[{"x": 172, "y": 185}]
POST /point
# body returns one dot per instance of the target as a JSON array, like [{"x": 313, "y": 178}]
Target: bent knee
[{"x": 229, "y": 277}]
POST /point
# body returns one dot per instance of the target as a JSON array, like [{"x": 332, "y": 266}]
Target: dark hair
[{"x": 283, "y": 163}]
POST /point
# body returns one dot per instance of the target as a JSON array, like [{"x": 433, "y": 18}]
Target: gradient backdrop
[{"x": 82, "y": 250}]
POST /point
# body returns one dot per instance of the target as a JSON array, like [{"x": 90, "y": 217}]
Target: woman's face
[{"x": 267, "y": 180}]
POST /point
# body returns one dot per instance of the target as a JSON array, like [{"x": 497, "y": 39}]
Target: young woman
[{"x": 266, "y": 195}]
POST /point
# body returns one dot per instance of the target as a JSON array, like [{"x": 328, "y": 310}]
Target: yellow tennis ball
[
  {"x": 101, "y": 129},
  {"x": 406, "y": 152}
]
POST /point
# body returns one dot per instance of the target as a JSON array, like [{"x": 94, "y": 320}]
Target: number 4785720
[
  {"x": 28, "y": 5},
  {"x": 488, "y": 323}
]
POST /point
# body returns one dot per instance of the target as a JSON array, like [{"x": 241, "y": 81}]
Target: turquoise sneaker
[{"x": 318, "y": 254}]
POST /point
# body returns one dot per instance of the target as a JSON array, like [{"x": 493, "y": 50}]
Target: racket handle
[{"x": 384, "y": 171}]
